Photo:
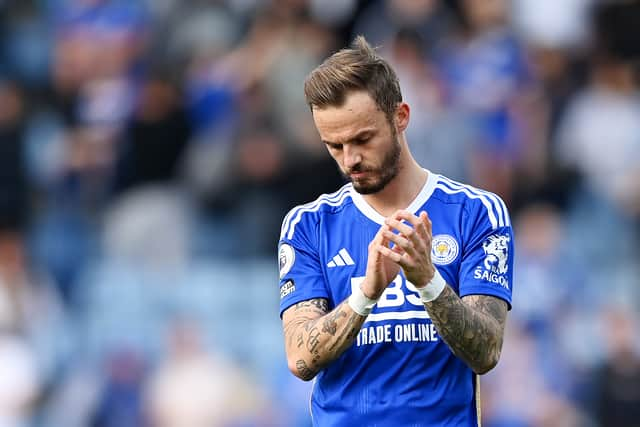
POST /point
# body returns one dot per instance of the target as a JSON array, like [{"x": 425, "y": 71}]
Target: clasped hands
[{"x": 403, "y": 241}]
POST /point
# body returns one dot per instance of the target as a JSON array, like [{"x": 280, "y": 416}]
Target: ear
[{"x": 402, "y": 115}]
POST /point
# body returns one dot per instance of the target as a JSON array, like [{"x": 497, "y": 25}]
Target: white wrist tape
[
  {"x": 360, "y": 303},
  {"x": 433, "y": 289}
]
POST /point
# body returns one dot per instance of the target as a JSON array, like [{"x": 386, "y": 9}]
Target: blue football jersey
[{"x": 398, "y": 372}]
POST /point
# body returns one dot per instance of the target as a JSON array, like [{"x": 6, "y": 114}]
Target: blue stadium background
[{"x": 150, "y": 148}]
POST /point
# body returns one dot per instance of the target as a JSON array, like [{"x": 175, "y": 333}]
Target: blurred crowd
[{"x": 150, "y": 148}]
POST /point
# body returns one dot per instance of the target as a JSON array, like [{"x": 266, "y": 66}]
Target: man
[{"x": 394, "y": 289}]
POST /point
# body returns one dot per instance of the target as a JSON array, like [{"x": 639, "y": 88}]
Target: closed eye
[
  {"x": 361, "y": 141},
  {"x": 333, "y": 146}
]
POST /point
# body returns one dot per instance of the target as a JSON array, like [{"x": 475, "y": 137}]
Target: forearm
[
  {"x": 313, "y": 342},
  {"x": 472, "y": 334}
]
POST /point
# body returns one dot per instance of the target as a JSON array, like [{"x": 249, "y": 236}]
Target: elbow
[
  {"x": 488, "y": 364},
  {"x": 481, "y": 370},
  {"x": 300, "y": 368}
]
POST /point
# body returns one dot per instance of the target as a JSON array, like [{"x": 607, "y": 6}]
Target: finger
[
  {"x": 395, "y": 248},
  {"x": 379, "y": 238},
  {"x": 401, "y": 227},
  {"x": 407, "y": 216},
  {"x": 419, "y": 241},
  {"x": 424, "y": 228},
  {"x": 399, "y": 241},
  {"x": 398, "y": 249},
  {"x": 392, "y": 255},
  {"x": 426, "y": 221},
  {"x": 421, "y": 223}
]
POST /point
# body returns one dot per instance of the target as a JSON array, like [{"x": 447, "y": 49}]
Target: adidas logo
[{"x": 343, "y": 258}]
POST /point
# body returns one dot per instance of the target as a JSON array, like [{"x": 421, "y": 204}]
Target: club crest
[{"x": 444, "y": 249}]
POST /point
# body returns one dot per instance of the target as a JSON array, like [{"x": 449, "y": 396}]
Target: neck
[{"x": 402, "y": 190}]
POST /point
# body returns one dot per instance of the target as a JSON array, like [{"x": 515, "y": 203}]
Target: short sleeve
[
  {"x": 301, "y": 276},
  {"x": 487, "y": 257}
]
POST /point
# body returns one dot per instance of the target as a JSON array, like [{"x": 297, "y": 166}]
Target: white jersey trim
[
  {"x": 496, "y": 210},
  {"x": 421, "y": 199},
  {"x": 499, "y": 206},
  {"x": 295, "y": 215}
]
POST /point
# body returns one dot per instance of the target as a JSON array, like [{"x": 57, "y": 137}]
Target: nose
[{"x": 351, "y": 156}]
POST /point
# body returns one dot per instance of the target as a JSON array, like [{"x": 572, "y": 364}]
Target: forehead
[{"x": 359, "y": 111}]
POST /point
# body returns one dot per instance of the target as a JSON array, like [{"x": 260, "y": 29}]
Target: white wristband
[
  {"x": 360, "y": 303},
  {"x": 433, "y": 289}
]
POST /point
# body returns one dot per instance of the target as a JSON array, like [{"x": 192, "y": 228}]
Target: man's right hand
[{"x": 380, "y": 270}]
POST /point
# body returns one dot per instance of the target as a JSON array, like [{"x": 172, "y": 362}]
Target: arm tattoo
[
  {"x": 304, "y": 371},
  {"x": 318, "y": 303},
  {"x": 473, "y": 327},
  {"x": 314, "y": 337}
]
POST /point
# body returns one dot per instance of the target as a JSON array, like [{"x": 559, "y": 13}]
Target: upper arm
[
  {"x": 487, "y": 249},
  {"x": 299, "y": 260}
]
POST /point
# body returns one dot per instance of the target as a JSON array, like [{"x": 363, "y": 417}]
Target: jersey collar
[{"x": 413, "y": 207}]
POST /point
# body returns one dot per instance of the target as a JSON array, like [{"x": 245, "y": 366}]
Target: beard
[{"x": 379, "y": 177}]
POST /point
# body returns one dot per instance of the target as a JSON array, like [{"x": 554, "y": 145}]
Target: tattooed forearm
[
  {"x": 473, "y": 327},
  {"x": 315, "y": 337},
  {"x": 305, "y": 311},
  {"x": 330, "y": 322}
]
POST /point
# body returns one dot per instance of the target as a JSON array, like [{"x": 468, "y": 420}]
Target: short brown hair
[{"x": 356, "y": 68}]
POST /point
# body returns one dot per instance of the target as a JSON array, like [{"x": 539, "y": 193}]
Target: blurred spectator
[
  {"x": 25, "y": 46},
  {"x": 120, "y": 404},
  {"x": 437, "y": 136},
  {"x": 295, "y": 52},
  {"x": 332, "y": 13},
  {"x": 541, "y": 259},
  {"x": 33, "y": 341},
  {"x": 488, "y": 81},
  {"x": 599, "y": 138},
  {"x": 148, "y": 228},
  {"x": 552, "y": 25},
  {"x": 195, "y": 30},
  {"x": 259, "y": 159},
  {"x": 380, "y": 20},
  {"x": 96, "y": 46},
  {"x": 13, "y": 183},
  {"x": 261, "y": 176},
  {"x": 532, "y": 403},
  {"x": 616, "y": 395},
  {"x": 155, "y": 139},
  {"x": 20, "y": 383},
  {"x": 76, "y": 187},
  {"x": 547, "y": 382},
  {"x": 194, "y": 388},
  {"x": 556, "y": 36},
  {"x": 606, "y": 112}
]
